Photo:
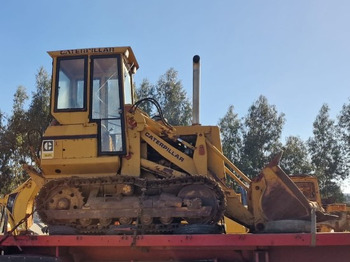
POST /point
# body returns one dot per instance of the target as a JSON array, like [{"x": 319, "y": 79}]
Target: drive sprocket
[{"x": 57, "y": 195}]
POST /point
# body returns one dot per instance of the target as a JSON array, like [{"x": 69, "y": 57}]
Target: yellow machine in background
[
  {"x": 310, "y": 188},
  {"x": 104, "y": 162}
]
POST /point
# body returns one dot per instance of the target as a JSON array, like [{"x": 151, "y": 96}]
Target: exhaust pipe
[{"x": 196, "y": 90}]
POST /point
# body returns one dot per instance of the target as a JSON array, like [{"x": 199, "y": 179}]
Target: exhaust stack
[{"x": 196, "y": 90}]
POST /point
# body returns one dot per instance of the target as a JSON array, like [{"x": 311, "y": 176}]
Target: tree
[
  {"x": 295, "y": 158},
  {"x": 4, "y": 157},
  {"x": 39, "y": 109},
  {"x": 262, "y": 132},
  {"x": 38, "y": 114},
  {"x": 325, "y": 152},
  {"x": 231, "y": 134},
  {"x": 331, "y": 193},
  {"x": 146, "y": 90},
  {"x": 344, "y": 122},
  {"x": 172, "y": 99},
  {"x": 14, "y": 135},
  {"x": 15, "y": 138},
  {"x": 344, "y": 127}
]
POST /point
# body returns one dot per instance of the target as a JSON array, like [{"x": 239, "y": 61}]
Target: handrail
[{"x": 241, "y": 177}]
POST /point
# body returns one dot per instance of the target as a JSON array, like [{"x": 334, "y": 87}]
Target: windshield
[{"x": 71, "y": 84}]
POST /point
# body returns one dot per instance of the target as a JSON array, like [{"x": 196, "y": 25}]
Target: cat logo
[{"x": 48, "y": 149}]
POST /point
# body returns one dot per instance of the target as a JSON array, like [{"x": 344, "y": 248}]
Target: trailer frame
[{"x": 223, "y": 247}]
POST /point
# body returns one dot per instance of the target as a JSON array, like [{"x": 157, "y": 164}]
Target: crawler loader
[{"x": 104, "y": 163}]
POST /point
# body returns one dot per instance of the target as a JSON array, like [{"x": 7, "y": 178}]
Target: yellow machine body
[{"x": 102, "y": 155}]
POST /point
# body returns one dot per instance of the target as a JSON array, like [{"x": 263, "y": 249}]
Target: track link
[{"x": 74, "y": 197}]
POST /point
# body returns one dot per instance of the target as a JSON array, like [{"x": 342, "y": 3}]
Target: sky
[{"x": 295, "y": 53}]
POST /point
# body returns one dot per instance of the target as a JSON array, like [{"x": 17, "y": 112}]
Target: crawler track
[{"x": 94, "y": 205}]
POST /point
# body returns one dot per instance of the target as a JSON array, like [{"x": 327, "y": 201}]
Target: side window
[
  {"x": 106, "y": 104},
  {"x": 71, "y": 85},
  {"x": 127, "y": 86}
]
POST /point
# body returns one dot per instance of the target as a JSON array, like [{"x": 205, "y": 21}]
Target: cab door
[{"x": 107, "y": 104}]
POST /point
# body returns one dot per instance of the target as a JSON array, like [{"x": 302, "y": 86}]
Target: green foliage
[
  {"x": 253, "y": 144},
  {"x": 261, "y": 136},
  {"x": 4, "y": 157},
  {"x": 146, "y": 90},
  {"x": 344, "y": 129},
  {"x": 325, "y": 150},
  {"x": 344, "y": 123},
  {"x": 231, "y": 135},
  {"x": 15, "y": 143},
  {"x": 169, "y": 93},
  {"x": 11, "y": 143},
  {"x": 331, "y": 193},
  {"x": 172, "y": 99},
  {"x": 38, "y": 114},
  {"x": 295, "y": 158}
]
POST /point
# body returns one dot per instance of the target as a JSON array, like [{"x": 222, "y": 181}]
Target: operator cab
[
  {"x": 89, "y": 90},
  {"x": 92, "y": 86}
]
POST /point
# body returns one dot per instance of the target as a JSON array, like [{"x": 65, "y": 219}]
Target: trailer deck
[{"x": 231, "y": 247}]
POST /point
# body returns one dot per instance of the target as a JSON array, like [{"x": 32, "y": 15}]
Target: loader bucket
[{"x": 275, "y": 197}]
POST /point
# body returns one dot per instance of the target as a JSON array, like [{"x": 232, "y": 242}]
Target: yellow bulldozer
[{"x": 104, "y": 163}]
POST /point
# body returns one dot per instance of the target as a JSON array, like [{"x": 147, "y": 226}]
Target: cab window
[
  {"x": 71, "y": 84},
  {"x": 127, "y": 86}
]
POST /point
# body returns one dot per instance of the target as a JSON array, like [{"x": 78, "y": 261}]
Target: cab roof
[{"x": 126, "y": 50}]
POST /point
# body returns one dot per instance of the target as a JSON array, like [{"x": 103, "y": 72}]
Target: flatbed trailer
[{"x": 219, "y": 247}]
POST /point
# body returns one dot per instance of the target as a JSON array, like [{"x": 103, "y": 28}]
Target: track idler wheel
[{"x": 196, "y": 196}]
